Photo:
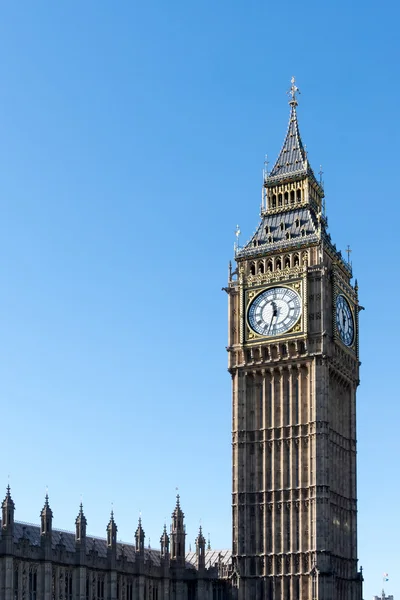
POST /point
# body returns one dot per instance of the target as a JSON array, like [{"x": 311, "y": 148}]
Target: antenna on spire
[
  {"x": 237, "y": 233},
  {"x": 292, "y": 92},
  {"x": 348, "y": 252},
  {"x": 264, "y": 191}
]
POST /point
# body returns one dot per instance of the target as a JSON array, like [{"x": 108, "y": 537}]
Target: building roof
[
  {"x": 281, "y": 230},
  {"x": 66, "y": 539},
  {"x": 292, "y": 158},
  {"x": 292, "y": 161}
]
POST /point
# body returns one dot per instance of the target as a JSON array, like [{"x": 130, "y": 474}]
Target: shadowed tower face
[{"x": 293, "y": 358}]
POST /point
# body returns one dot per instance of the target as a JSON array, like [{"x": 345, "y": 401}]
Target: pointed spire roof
[
  {"x": 200, "y": 537},
  {"x": 8, "y": 501},
  {"x": 292, "y": 159},
  {"x": 111, "y": 523},
  {"x": 177, "y": 510},
  {"x": 81, "y": 516},
  {"x": 164, "y": 536},
  {"x": 46, "y": 510}
]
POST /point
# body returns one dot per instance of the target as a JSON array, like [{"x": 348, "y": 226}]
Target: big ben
[{"x": 294, "y": 363}]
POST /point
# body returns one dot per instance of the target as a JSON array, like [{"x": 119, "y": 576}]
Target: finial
[
  {"x": 348, "y": 252},
  {"x": 320, "y": 174},
  {"x": 292, "y": 92},
  {"x": 208, "y": 543}
]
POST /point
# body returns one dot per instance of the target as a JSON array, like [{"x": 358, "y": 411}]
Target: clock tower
[{"x": 293, "y": 358}]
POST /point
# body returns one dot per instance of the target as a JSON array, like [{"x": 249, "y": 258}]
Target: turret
[
  {"x": 164, "y": 541},
  {"x": 80, "y": 534},
  {"x": 200, "y": 550},
  {"x": 46, "y": 528},
  {"x": 46, "y": 519},
  {"x": 112, "y": 533},
  {"x": 80, "y": 526},
  {"x": 178, "y": 535},
  {"x": 7, "y": 519},
  {"x": 139, "y": 538}
]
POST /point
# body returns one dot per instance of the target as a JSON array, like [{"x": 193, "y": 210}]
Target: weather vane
[{"x": 292, "y": 92}]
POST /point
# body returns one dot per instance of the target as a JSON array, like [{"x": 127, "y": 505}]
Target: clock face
[
  {"x": 274, "y": 311},
  {"x": 344, "y": 320}
]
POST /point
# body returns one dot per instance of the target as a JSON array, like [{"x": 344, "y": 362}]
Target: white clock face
[
  {"x": 274, "y": 311},
  {"x": 344, "y": 320}
]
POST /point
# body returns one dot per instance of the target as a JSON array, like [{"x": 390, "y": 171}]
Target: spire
[
  {"x": 8, "y": 507},
  {"x": 200, "y": 549},
  {"x": 178, "y": 533},
  {"x": 164, "y": 541},
  {"x": 46, "y": 518},
  {"x": 80, "y": 525},
  {"x": 139, "y": 537},
  {"x": 112, "y": 532},
  {"x": 293, "y": 156}
]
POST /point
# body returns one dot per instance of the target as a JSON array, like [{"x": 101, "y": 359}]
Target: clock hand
[{"x": 274, "y": 314}]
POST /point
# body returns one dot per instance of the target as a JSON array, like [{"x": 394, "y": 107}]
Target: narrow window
[
  {"x": 296, "y": 260},
  {"x": 287, "y": 235},
  {"x": 267, "y": 229},
  {"x": 278, "y": 264},
  {"x": 270, "y": 240},
  {"x": 286, "y": 198},
  {"x": 279, "y": 199},
  {"x": 303, "y": 233},
  {"x": 282, "y": 226},
  {"x": 297, "y": 222},
  {"x": 274, "y": 201},
  {"x": 287, "y": 262},
  {"x": 252, "y": 269},
  {"x": 287, "y": 401},
  {"x": 292, "y": 197},
  {"x": 261, "y": 267},
  {"x": 296, "y": 400},
  {"x": 270, "y": 265},
  {"x": 298, "y": 194},
  {"x": 16, "y": 583}
]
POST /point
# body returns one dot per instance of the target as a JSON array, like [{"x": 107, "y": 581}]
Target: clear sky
[{"x": 132, "y": 140}]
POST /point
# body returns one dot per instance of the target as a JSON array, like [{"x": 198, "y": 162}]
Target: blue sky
[{"x": 132, "y": 140}]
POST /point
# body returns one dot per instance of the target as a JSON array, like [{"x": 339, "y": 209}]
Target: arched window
[
  {"x": 270, "y": 240},
  {"x": 274, "y": 201},
  {"x": 279, "y": 199},
  {"x": 298, "y": 194},
  {"x": 296, "y": 260},
  {"x": 267, "y": 229},
  {"x": 303, "y": 233},
  {"x": 261, "y": 267},
  {"x": 278, "y": 264},
  {"x": 297, "y": 222},
  {"x": 287, "y": 235},
  {"x": 252, "y": 269},
  {"x": 282, "y": 226},
  {"x": 286, "y": 198},
  {"x": 269, "y": 267},
  {"x": 287, "y": 262},
  {"x": 292, "y": 197}
]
